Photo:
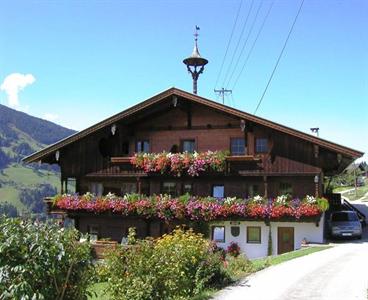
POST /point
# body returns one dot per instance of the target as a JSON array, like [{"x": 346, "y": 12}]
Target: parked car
[{"x": 345, "y": 224}]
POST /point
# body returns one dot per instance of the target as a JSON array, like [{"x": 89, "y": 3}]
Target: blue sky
[{"x": 87, "y": 60}]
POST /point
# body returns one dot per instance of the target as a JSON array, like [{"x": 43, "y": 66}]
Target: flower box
[
  {"x": 194, "y": 208},
  {"x": 101, "y": 247}
]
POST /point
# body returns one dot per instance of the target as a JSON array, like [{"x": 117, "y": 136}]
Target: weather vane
[
  {"x": 195, "y": 61},
  {"x": 196, "y": 34}
]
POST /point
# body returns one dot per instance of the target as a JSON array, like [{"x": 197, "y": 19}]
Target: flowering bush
[
  {"x": 179, "y": 163},
  {"x": 176, "y": 266},
  {"x": 191, "y": 207},
  {"x": 233, "y": 249}
]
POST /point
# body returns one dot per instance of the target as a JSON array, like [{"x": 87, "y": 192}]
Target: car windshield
[{"x": 344, "y": 217}]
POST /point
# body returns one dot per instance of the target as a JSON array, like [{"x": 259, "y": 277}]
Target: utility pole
[
  {"x": 222, "y": 92},
  {"x": 315, "y": 130}
]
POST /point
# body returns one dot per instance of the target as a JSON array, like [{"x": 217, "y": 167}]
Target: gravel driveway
[{"x": 339, "y": 273}]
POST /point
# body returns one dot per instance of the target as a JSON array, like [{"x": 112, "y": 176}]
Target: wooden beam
[
  {"x": 265, "y": 186},
  {"x": 189, "y": 115}
]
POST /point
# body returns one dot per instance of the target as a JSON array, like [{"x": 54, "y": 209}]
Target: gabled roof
[{"x": 196, "y": 99}]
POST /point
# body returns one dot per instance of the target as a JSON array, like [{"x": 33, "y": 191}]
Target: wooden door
[{"x": 285, "y": 239}]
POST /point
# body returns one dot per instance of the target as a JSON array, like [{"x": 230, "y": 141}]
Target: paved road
[{"x": 339, "y": 273}]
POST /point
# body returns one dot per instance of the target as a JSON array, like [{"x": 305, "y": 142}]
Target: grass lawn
[
  {"x": 26, "y": 176},
  {"x": 16, "y": 177},
  {"x": 342, "y": 189},
  {"x": 262, "y": 263},
  {"x": 11, "y": 195},
  {"x": 361, "y": 191}
]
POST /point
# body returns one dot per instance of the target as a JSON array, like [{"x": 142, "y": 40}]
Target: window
[
  {"x": 125, "y": 147},
  {"x": 169, "y": 188},
  {"x": 218, "y": 234},
  {"x": 71, "y": 185},
  {"x": 97, "y": 188},
  {"x": 143, "y": 146},
  {"x": 285, "y": 188},
  {"x": 238, "y": 146},
  {"x": 261, "y": 145},
  {"x": 188, "y": 146},
  {"x": 187, "y": 188},
  {"x": 128, "y": 188},
  {"x": 235, "y": 231},
  {"x": 253, "y": 235},
  {"x": 218, "y": 191},
  {"x": 93, "y": 231},
  {"x": 253, "y": 190}
]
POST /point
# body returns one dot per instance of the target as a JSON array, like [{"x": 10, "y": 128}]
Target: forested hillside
[{"x": 22, "y": 187}]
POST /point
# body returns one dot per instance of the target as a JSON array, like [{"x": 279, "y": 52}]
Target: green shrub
[
  {"x": 176, "y": 266},
  {"x": 42, "y": 261},
  {"x": 238, "y": 267}
]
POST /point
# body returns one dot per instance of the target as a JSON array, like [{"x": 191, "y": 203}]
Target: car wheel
[{"x": 359, "y": 237}]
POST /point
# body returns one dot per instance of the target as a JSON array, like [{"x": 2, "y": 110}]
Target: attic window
[
  {"x": 238, "y": 146},
  {"x": 143, "y": 146},
  {"x": 261, "y": 145}
]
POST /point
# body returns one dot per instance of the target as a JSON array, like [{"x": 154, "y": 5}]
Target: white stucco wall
[{"x": 309, "y": 231}]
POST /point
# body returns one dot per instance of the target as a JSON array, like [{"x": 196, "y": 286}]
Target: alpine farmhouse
[{"x": 241, "y": 156}]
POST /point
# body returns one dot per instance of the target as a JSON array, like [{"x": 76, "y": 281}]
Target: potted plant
[{"x": 101, "y": 246}]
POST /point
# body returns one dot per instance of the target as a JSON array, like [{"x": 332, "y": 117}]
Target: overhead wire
[
  {"x": 279, "y": 58},
  {"x": 237, "y": 44},
  {"x": 229, "y": 42},
  {"x": 233, "y": 100},
  {"x": 254, "y": 43},
  {"x": 245, "y": 44}
]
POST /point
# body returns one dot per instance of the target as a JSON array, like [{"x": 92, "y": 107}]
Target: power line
[
  {"x": 254, "y": 43},
  {"x": 245, "y": 43},
  {"x": 237, "y": 45},
  {"x": 278, "y": 60},
  {"x": 233, "y": 100},
  {"x": 228, "y": 44}
]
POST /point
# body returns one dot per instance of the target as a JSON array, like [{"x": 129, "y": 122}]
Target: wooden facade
[{"x": 276, "y": 159}]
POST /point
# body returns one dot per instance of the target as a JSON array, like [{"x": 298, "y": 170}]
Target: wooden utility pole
[{"x": 222, "y": 92}]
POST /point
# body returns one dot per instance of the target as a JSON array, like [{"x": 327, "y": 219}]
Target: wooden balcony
[{"x": 234, "y": 165}]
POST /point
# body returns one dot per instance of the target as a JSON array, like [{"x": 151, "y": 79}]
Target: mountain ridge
[{"x": 22, "y": 187}]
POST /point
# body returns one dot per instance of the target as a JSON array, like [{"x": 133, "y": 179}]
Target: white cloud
[
  {"x": 50, "y": 117},
  {"x": 13, "y": 84}
]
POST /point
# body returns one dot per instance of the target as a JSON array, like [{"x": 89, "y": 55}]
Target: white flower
[
  {"x": 281, "y": 199},
  {"x": 310, "y": 199},
  {"x": 89, "y": 196},
  {"x": 110, "y": 196},
  {"x": 229, "y": 200},
  {"x": 258, "y": 199}
]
